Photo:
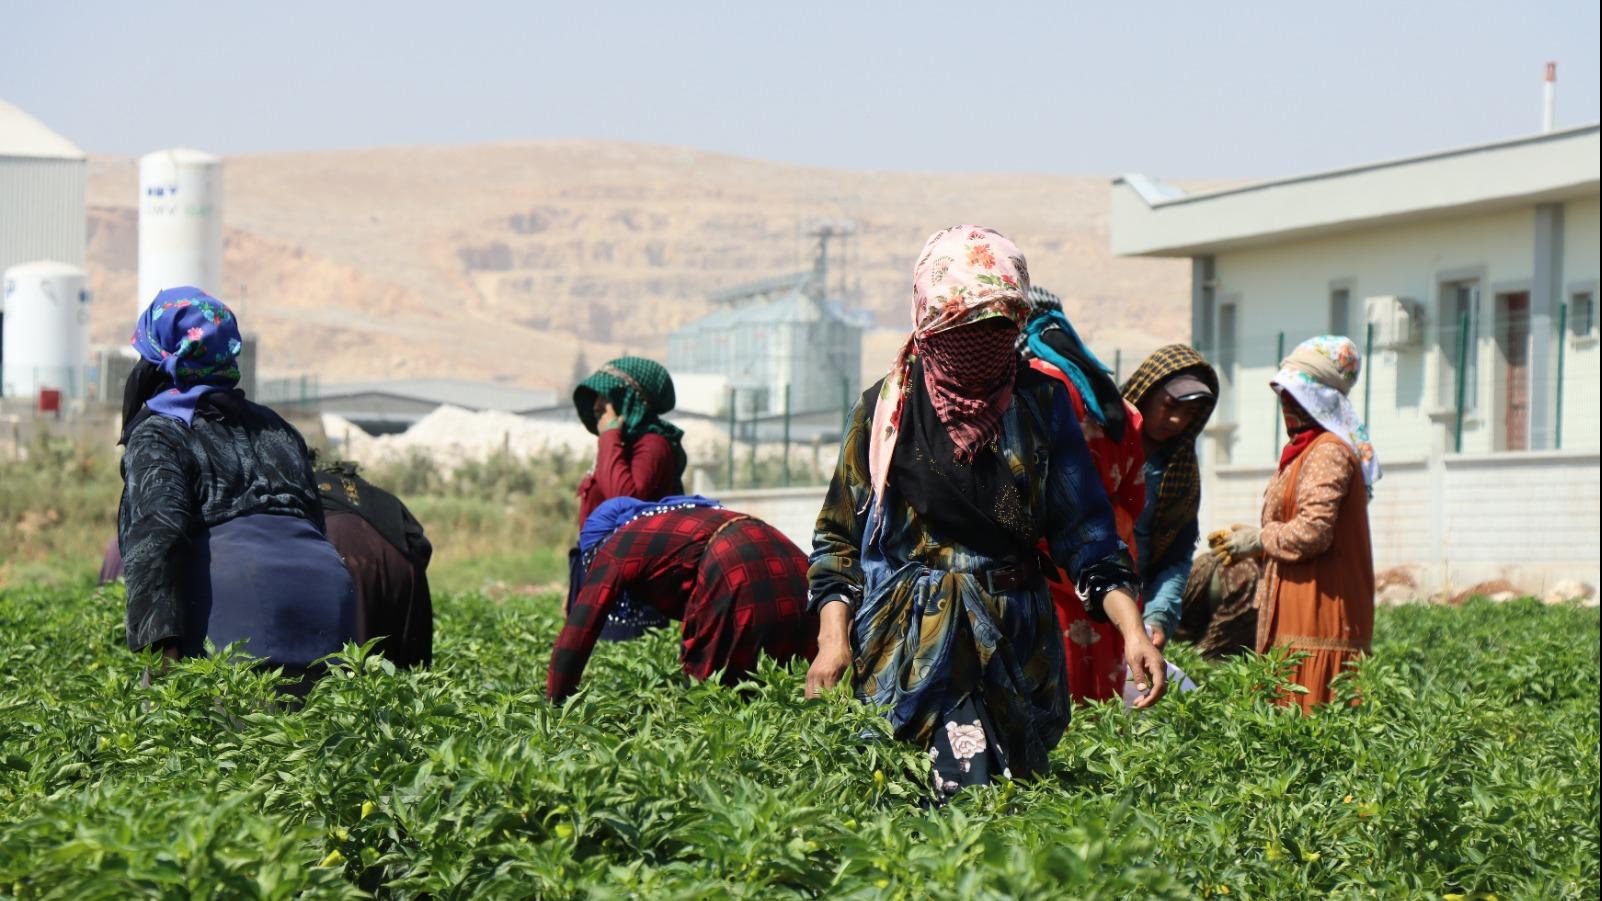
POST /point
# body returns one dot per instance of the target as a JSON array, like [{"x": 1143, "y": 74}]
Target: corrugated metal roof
[
  {"x": 468, "y": 395},
  {"x": 794, "y": 307},
  {"x": 23, "y": 135}
]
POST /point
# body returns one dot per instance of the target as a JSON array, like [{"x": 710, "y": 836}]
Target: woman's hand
[
  {"x": 834, "y": 649},
  {"x": 1149, "y": 669},
  {"x": 607, "y": 416},
  {"x": 1146, "y": 664},
  {"x": 1239, "y": 543}
]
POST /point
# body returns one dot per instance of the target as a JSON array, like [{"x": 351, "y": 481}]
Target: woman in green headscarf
[{"x": 640, "y": 455}]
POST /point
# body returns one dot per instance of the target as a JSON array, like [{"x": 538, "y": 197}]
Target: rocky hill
[{"x": 506, "y": 262}]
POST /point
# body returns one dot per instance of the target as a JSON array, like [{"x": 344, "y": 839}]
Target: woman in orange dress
[
  {"x": 1094, "y": 651},
  {"x": 1316, "y": 596}
]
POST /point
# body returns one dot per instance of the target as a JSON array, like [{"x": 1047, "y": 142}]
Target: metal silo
[
  {"x": 46, "y": 333},
  {"x": 180, "y": 222}
]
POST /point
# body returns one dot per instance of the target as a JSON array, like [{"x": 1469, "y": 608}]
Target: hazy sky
[{"x": 1166, "y": 88}]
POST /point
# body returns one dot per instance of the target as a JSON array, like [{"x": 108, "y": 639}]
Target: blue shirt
[{"x": 1162, "y": 581}]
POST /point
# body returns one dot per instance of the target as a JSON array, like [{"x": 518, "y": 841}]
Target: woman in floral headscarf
[
  {"x": 220, "y": 525},
  {"x": 638, "y": 455},
  {"x": 1316, "y": 595},
  {"x": 925, "y": 569}
]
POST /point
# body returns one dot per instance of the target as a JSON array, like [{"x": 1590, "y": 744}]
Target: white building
[
  {"x": 42, "y": 179},
  {"x": 1488, "y": 435},
  {"x": 42, "y": 182}
]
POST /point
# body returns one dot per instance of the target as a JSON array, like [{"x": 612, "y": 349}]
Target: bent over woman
[
  {"x": 220, "y": 525},
  {"x": 387, "y": 553},
  {"x": 925, "y": 565},
  {"x": 737, "y": 583}
]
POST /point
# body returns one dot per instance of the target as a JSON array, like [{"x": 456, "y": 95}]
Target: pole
[
  {"x": 751, "y": 463},
  {"x": 787, "y": 434},
  {"x": 845, "y": 406},
  {"x": 1118, "y": 364},
  {"x": 1462, "y": 377},
  {"x": 1281, "y": 356},
  {"x": 1368, "y": 370},
  {"x": 733, "y": 395},
  {"x": 1563, "y": 343},
  {"x": 1548, "y": 97}
]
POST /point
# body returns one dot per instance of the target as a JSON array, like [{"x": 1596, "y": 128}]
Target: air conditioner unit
[{"x": 1396, "y": 322}]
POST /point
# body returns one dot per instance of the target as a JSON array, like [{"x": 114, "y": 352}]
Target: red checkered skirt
[{"x": 749, "y": 598}]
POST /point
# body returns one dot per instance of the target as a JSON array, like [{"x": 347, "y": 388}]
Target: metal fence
[{"x": 1504, "y": 382}]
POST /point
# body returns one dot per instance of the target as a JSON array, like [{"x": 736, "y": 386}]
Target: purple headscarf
[{"x": 194, "y": 339}]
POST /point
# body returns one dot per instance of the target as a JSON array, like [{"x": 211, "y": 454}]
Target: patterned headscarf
[
  {"x": 640, "y": 390},
  {"x": 1319, "y": 373},
  {"x": 1046, "y": 316},
  {"x": 965, "y": 274},
  {"x": 194, "y": 339},
  {"x": 1179, "y": 493}
]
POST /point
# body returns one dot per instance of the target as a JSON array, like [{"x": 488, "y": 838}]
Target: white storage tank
[
  {"x": 45, "y": 341},
  {"x": 180, "y": 222}
]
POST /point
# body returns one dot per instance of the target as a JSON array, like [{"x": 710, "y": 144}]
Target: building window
[
  {"x": 1582, "y": 315},
  {"x": 1226, "y": 339},
  {"x": 1340, "y": 311},
  {"x": 1460, "y": 319}
]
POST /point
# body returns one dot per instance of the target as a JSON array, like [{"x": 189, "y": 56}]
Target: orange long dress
[
  {"x": 1094, "y": 651},
  {"x": 1317, "y": 591}
]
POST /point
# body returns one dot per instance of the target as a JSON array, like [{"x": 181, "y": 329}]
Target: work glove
[{"x": 1239, "y": 542}]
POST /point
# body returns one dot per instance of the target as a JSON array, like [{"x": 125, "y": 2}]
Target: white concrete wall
[
  {"x": 793, "y": 511},
  {"x": 1582, "y": 377},
  {"x": 1530, "y": 518}
]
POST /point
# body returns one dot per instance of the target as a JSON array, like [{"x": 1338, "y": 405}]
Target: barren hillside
[{"x": 503, "y": 261}]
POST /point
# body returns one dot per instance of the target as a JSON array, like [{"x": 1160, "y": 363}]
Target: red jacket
[{"x": 648, "y": 470}]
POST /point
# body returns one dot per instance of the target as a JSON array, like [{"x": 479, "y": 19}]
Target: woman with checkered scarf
[{"x": 926, "y": 566}]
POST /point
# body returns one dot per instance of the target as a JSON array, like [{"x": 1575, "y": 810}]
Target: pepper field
[{"x": 1470, "y": 770}]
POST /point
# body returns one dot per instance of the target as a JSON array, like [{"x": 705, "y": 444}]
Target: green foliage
[
  {"x": 509, "y": 520},
  {"x": 57, "y": 510},
  {"x": 1471, "y": 766}
]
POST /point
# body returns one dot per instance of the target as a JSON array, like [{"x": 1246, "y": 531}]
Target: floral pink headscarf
[{"x": 966, "y": 273}]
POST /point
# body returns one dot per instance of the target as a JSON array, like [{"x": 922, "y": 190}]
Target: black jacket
[{"x": 238, "y": 458}]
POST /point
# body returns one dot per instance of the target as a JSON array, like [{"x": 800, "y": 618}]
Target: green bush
[
  {"x": 507, "y": 520},
  {"x": 1470, "y": 767}
]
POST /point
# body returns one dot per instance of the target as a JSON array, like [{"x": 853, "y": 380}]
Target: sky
[{"x": 1183, "y": 90}]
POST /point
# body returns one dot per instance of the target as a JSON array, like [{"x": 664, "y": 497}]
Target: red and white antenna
[{"x": 1548, "y": 99}]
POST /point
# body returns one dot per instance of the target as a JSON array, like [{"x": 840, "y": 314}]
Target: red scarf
[
  {"x": 969, "y": 371},
  {"x": 1299, "y": 442}
]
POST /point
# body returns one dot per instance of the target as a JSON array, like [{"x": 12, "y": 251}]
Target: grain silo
[
  {"x": 180, "y": 222},
  {"x": 46, "y": 340}
]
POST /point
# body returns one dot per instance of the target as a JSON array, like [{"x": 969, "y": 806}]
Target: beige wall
[
  {"x": 1286, "y": 286},
  {"x": 1583, "y": 358}
]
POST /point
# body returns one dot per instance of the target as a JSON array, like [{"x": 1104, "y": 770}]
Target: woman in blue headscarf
[{"x": 220, "y": 525}]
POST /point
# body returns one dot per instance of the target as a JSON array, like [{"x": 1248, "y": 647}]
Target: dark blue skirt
[{"x": 273, "y": 582}]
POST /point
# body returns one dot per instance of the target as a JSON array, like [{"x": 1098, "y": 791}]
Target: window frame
[
  {"x": 1571, "y": 296},
  {"x": 1349, "y": 287},
  {"x": 1447, "y": 284}
]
